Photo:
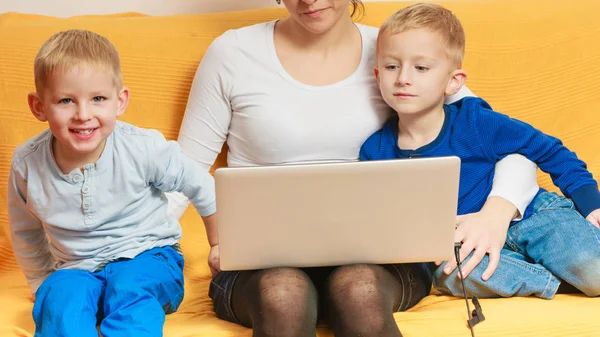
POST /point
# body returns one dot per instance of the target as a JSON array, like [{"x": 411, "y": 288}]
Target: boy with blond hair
[
  {"x": 420, "y": 51},
  {"x": 87, "y": 219}
]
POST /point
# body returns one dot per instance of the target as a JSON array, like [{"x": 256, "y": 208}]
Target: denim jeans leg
[
  {"x": 514, "y": 276},
  {"x": 415, "y": 280},
  {"x": 559, "y": 238},
  {"x": 221, "y": 291}
]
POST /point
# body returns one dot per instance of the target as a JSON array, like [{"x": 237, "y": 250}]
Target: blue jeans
[
  {"x": 130, "y": 297},
  {"x": 555, "y": 243}
]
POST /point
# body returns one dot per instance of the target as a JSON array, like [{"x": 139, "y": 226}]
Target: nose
[
  {"x": 82, "y": 113},
  {"x": 404, "y": 77}
]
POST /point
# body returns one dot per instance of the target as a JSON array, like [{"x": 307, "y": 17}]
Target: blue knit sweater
[{"x": 481, "y": 137}]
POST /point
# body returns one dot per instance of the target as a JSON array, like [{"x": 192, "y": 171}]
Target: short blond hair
[
  {"x": 72, "y": 48},
  {"x": 433, "y": 17}
]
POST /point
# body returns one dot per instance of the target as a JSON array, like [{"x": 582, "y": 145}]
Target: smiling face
[
  {"x": 318, "y": 16},
  {"x": 81, "y": 105},
  {"x": 414, "y": 71}
]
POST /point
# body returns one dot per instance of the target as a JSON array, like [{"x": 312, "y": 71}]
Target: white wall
[{"x": 65, "y": 8}]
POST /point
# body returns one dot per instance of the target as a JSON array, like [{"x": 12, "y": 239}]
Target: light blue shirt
[{"x": 111, "y": 209}]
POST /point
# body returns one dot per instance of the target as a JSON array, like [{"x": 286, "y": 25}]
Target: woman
[{"x": 302, "y": 89}]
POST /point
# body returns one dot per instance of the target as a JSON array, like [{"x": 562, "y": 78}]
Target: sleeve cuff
[
  {"x": 208, "y": 210},
  {"x": 516, "y": 181},
  {"x": 520, "y": 202},
  {"x": 586, "y": 199}
]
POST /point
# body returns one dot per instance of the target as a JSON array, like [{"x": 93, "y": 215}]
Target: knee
[
  {"x": 279, "y": 288},
  {"x": 122, "y": 292},
  {"x": 449, "y": 284},
  {"x": 124, "y": 287},
  {"x": 66, "y": 293},
  {"x": 588, "y": 273},
  {"x": 353, "y": 284},
  {"x": 357, "y": 301},
  {"x": 283, "y": 302},
  {"x": 67, "y": 286}
]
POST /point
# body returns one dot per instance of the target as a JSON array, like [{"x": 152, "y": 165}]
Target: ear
[
  {"x": 123, "y": 101},
  {"x": 376, "y": 71},
  {"x": 36, "y": 106},
  {"x": 456, "y": 82}
]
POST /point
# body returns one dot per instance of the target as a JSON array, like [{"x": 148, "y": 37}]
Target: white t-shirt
[{"x": 242, "y": 94}]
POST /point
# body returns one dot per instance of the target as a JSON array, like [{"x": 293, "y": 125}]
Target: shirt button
[
  {"x": 77, "y": 178},
  {"x": 85, "y": 189},
  {"x": 86, "y": 205},
  {"x": 31, "y": 145}
]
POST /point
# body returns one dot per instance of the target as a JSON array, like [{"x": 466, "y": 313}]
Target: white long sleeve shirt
[{"x": 243, "y": 95}]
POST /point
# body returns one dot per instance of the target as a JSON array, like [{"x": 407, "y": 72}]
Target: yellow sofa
[{"x": 536, "y": 60}]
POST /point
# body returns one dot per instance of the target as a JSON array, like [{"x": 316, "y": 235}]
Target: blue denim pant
[
  {"x": 555, "y": 243},
  {"x": 130, "y": 297}
]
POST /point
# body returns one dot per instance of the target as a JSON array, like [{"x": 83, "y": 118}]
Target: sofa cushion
[{"x": 536, "y": 60}]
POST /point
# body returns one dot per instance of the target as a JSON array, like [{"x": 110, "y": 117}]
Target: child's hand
[
  {"x": 594, "y": 218},
  {"x": 483, "y": 232},
  {"x": 213, "y": 260}
]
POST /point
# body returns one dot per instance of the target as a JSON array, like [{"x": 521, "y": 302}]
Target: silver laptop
[{"x": 308, "y": 215}]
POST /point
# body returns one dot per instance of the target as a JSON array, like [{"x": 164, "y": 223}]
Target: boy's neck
[
  {"x": 68, "y": 161},
  {"x": 418, "y": 130}
]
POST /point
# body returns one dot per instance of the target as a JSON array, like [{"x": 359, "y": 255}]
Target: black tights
[{"x": 358, "y": 300}]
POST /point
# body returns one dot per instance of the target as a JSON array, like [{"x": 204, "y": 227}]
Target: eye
[
  {"x": 392, "y": 67},
  {"x": 98, "y": 99},
  {"x": 422, "y": 68},
  {"x": 65, "y": 101}
]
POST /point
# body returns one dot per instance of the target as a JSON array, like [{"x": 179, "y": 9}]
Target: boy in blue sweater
[{"x": 419, "y": 55}]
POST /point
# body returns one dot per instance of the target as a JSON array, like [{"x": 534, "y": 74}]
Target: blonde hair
[
  {"x": 433, "y": 17},
  {"x": 72, "y": 48}
]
